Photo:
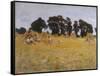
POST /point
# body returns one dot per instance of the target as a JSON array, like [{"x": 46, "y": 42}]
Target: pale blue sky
[{"x": 26, "y": 13}]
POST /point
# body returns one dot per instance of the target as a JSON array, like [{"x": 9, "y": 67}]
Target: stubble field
[{"x": 61, "y": 54}]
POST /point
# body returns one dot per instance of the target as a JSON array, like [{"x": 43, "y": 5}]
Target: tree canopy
[{"x": 38, "y": 25}]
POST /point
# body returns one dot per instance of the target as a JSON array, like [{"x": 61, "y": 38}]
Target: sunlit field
[{"x": 59, "y": 54}]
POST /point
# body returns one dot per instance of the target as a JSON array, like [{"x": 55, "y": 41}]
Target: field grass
[{"x": 60, "y": 55}]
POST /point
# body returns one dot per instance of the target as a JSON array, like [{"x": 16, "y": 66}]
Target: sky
[{"x": 26, "y": 13}]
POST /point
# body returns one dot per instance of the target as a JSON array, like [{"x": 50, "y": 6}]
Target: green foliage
[
  {"x": 21, "y": 30},
  {"x": 38, "y": 25},
  {"x": 86, "y": 25}
]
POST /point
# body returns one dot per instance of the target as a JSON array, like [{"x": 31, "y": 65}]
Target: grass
[{"x": 60, "y": 55}]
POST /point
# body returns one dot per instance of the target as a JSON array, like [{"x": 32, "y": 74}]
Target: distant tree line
[
  {"x": 21, "y": 30},
  {"x": 60, "y": 26}
]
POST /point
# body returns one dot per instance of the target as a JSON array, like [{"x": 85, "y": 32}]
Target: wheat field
[{"x": 62, "y": 54}]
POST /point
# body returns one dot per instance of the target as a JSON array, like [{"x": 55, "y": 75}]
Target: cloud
[{"x": 26, "y": 13}]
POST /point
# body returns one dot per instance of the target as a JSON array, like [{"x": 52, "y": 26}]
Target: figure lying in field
[
  {"x": 34, "y": 37},
  {"x": 31, "y": 37}
]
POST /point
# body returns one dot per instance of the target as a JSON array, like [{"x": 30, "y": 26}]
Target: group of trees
[
  {"x": 60, "y": 26},
  {"x": 21, "y": 30}
]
